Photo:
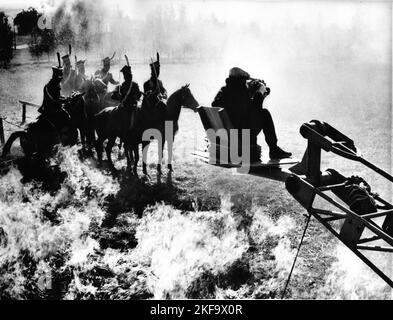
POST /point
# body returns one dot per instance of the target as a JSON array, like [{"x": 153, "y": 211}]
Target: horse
[
  {"x": 111, "y": 123},
  {"x": 92, "y": 106},
  {"x": 42, "y": 135},
  {"x": 146, "y": 118}
]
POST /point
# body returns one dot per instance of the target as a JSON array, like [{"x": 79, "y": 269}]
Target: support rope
[{"x": 297, "y": 253}]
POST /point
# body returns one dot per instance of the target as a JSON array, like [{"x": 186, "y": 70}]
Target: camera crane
[{"x": 356, "y": 219}]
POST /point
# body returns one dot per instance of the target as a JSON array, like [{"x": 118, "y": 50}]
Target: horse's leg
[
  {"x": 170, "y": 152},
  {"x": 160, "y": 153},
  {"x": 108, "y": 149},
  {"x": 98, "y": 145},
  {"x": 128, "y": 154},
  {"x": 90, "y": 137},
  {"x": 119, "y": 156},
  {"x": 135, "y": 149},
  {"x": 145, "y": 149},
  {"x": 82, "y": 133}
]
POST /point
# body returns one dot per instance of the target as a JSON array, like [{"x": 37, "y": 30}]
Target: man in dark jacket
[
  {"x": 154, "y": 85},
  {"x": 52, "y": 105},
  {"x": 243, "y": 104},
  {"x": 128, "y": 94},
  {"x": 129, "y": 90}
]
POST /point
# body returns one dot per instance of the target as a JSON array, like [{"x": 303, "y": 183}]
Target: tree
[
  {"x": 26, "y": 21},
  {"x": 6, "y": 43},
  {"x": 34, "y": 46},
  {"x": 42, "y": 41}
]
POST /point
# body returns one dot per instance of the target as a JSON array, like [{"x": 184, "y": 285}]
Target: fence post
[
  {"x": 23, "y": 112},
  {"x": 2, "y": 140}
]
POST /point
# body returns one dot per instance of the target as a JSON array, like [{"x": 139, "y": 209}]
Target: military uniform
[
  {"x": 156, "y": 87},
  {"x": 129, "y": 94},
  {"x": 105, "y": 76},
  {"x": 68, "y": 81},
  {"x": 155, "y": 93},
  {"x": 80, "y": 77},
  {"x": 132, "y": 98},
  {"x": 52, "y": 105},
  {"x": 104, "y": 73}
]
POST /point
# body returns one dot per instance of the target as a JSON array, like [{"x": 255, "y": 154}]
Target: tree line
[
  {"x": 169, "y": 31},
  {"x": 7, "y": 40}
]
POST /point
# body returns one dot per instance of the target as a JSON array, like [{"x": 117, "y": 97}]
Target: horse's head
[{"x": 187, "y": 98}]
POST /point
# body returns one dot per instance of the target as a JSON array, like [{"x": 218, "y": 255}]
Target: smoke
[
  {"x": 325, "y": 59},
  {"x": 80, "y": 23},
  {"x": 349, "y": 278}
]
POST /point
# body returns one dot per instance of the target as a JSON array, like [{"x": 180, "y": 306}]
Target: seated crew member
[{"x": 244, "y": 107}]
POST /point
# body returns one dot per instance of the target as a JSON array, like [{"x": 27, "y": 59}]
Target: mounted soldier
[
  {"x": 117, "y": 122},
  {"x": 102, "y": 78},
  {"x": 80, "y": 76},
  {"x": 104, "y": 73},
  {"x": 52, "y": 105},
  {"x": 52, "y": 108},
  {"x": 242, "y": 98},
  {"x": 68, "y": 81},
  {"x": 129, "y": 90},
  {"x": 128, "y": 94},
  {"x": 155, "y": 93}
]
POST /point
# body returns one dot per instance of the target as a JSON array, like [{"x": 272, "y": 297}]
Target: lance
[
  {"x": 76, "y": 67},
  {"x": 119, "y": 69}
]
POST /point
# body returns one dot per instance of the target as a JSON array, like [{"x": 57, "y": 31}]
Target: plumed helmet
[
  {"x": 238, "y": 73},
  {"x": 155, "y": 66},
  {"x": 66, "y": 60},
  {"x": 80, "y": 63},
  {"x": 126, "y": 70},
  {"x": 107, "y": 61},
  {"x": 57, "y": 73}
]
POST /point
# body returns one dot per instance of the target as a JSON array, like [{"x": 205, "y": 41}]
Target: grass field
[{"x": 202, "y": 232}]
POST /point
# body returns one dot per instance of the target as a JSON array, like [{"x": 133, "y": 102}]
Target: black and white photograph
[{"x": 204, "y": 151}]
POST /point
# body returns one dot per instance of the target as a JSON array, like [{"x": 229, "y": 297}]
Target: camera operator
[{"x": 242, "y": 98}]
